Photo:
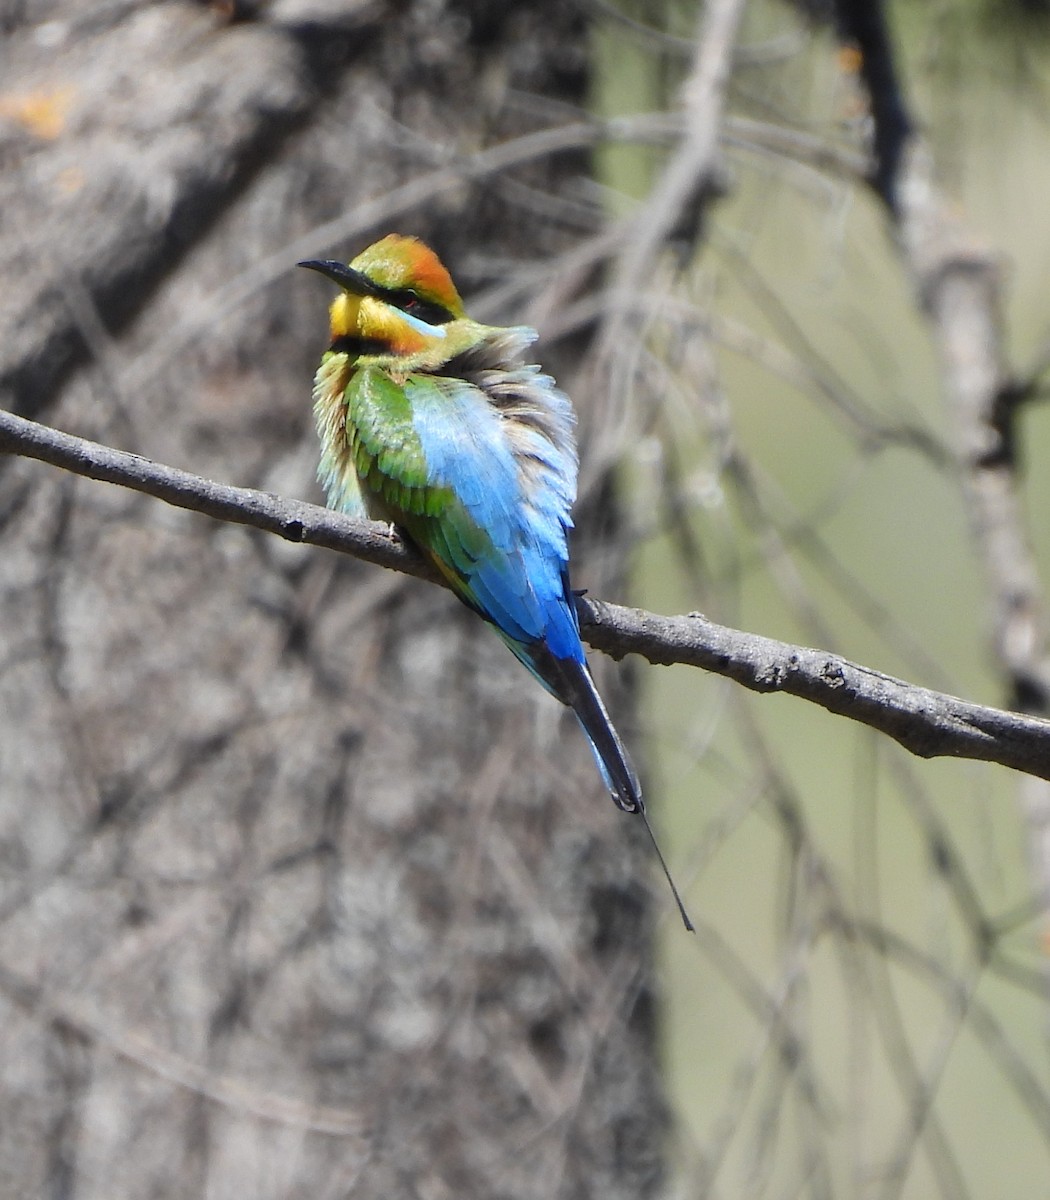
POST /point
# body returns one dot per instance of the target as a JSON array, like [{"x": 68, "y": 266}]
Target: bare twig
[
  {"x": 926, "y": 722},
  {"x": 676, "y": 206},
  {"x": 241, "y": 1096},
  {"x": 673, "y": 214}
]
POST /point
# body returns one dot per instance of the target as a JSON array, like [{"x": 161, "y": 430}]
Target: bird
[{"x": 436, "y": 424}]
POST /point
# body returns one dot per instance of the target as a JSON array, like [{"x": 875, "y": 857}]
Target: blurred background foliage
[{"x": 797, "y": 480}]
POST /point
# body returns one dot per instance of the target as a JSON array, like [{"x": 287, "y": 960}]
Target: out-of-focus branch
[
  {"x": 863, "y": 22},
  {"x": 672, "y": 216},
  {"x": 958, "y": 280},
  {"x": 925, "y": 722},
  {"x": 675, "y": 207},
  {"x": 239, "y": 1096}
]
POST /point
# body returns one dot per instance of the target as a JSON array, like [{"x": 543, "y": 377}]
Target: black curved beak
[{"x": 346, "y": 277}]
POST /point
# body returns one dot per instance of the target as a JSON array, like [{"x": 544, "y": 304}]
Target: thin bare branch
[
  {"x": 292, "y": 520},
  {"x": 925, "y": 722},
  {"x": 676, "y": 207},
  {"x": 240, "y": 1096}
]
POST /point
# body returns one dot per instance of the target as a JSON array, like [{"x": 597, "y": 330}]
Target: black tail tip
[{"x": 629, "y": 804}]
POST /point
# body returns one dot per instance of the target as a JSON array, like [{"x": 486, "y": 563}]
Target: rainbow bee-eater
[{"x": 434, "y": 423}]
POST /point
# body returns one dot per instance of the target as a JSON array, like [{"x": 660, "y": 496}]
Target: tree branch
[
  {"x": 293, "y": 520},
  {"x": 925, "y": 722},
  {"x": 930, "y": 724}
]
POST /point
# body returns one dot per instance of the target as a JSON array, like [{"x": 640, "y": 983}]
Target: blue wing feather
[
  {"x": 471, "y": 448},
  {"x": 517, "y": 485}
]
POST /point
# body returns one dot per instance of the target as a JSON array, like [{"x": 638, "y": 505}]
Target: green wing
[
  {"x": 435, "y": 456},
  {"x": 398, "y": 483}
]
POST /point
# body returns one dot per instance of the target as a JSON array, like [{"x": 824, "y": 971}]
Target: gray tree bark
[{"x": 305, "y": 888}]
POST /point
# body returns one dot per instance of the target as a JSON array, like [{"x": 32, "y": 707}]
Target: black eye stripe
[{"x": 409, "y": 302}]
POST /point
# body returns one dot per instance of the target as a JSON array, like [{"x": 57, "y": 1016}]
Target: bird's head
[{"x": 398, "y": 302}]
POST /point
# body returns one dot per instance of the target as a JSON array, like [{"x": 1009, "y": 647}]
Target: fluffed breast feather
[{"x": 539, "y": 419}]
